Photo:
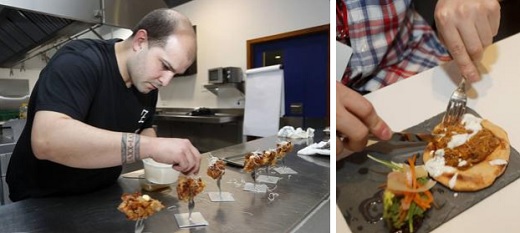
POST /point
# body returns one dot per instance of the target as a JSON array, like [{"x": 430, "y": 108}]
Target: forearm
[{"x": 61, "y": 139}]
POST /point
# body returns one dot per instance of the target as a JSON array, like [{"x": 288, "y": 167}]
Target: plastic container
[{"x": 159, "y": 173}]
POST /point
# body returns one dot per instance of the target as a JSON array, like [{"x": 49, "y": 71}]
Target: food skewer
[
  {"x": 187, "y": 189},
  {"x": 253, "y": 175},
  {"x": 218, "y": 185},
  {"x": 191, "y": 206},
  {"x": 216, "y": 169}
]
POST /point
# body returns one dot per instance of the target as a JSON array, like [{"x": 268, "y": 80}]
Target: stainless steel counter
[{"x": 301, "y": 199}]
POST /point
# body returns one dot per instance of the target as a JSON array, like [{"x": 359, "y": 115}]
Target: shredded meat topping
[{"x": 474, "y": 151}]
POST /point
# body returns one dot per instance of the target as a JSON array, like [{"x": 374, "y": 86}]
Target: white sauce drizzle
[
  {"x": 462, "y": 163},
  {"x": 453, "y": 180},
  {"x": 471, "y": 123},
  {"x": 497, "y": 162},
  {"x": 437, "y": 165},
  {"x": 457, "y": 140}
]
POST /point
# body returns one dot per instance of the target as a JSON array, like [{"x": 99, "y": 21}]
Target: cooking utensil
[
  {"x": 253, "y": 175},
  {"x": 191, "y": 205},
  {"x": 457, "y": 105},
  {"x": 218, "y": 185},
  {"x": 139, "y": 225},
  {"x": 400, "y": 142},
  {"x": 406, "y": 137}
]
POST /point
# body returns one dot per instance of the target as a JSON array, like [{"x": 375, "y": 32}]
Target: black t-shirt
[{"x": 82, "y": 80}]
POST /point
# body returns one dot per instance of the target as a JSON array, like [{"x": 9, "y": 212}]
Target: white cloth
[
  {"x": 290, "y": 132},
  {"x": 316, "y": 148}
]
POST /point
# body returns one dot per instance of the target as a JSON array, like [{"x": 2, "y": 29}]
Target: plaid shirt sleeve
[{"x": 390, "y": 42}]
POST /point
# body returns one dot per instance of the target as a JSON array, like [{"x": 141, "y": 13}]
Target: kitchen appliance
[{"x": 225, "y": 75}]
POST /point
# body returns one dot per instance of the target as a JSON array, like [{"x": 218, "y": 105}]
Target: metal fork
[
  {"x": 139, "y": 225},
  {"x": 191, "y": 205},
  {"x": 218, "y": 185},
  {"x": 457, "y": 105}
]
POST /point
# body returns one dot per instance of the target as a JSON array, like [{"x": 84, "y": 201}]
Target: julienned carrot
[
  {"x": 423, "y": 203},
  {"x": 422, "y": 200},
  {"x": 411, "y": 161}
]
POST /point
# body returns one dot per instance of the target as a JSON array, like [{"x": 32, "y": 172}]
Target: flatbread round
[{"x": 481, "y": 175}]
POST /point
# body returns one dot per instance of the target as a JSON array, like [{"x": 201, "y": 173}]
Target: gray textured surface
[{"x": 358, "y": 181}]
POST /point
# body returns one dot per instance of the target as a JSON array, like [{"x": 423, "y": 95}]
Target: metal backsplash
[{"x": 30, "y": 27}]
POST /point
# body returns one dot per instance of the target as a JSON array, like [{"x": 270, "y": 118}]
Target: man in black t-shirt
[{"x": 92, "y": 107}]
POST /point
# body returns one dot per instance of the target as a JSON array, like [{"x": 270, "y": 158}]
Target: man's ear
[{"x": 140, "y": 40}]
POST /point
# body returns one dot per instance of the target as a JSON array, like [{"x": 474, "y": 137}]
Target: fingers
[
  {"x": 196, "y": 161},
  {"x": 493, "y": 17},
  {"x": 191, "y": 157},
  {"x": 181, "y": 154},
  {"x": 454, "y": 42},
  {"x": 339, "y": 146},
  {"x": 355, "y": 119},
  {"x": 467, "y": 28}
]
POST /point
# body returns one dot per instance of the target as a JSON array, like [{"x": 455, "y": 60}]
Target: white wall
[
  {"x": 223, "y": 27},
  {"x": 29, "y": 74}
]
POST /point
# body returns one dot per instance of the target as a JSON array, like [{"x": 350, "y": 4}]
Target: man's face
[{"x": 153, "y": 67}]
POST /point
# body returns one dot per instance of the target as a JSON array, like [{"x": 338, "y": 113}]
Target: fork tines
[{"x": 457, "y": 105}]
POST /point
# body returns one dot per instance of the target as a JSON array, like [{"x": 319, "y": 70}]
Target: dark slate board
[{"x": 358, "y": 181}]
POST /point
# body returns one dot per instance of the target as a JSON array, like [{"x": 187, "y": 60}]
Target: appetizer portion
[
  {"x": 258, "y": 159},
  {"x": 254, "y": 160},
  {"x": 136, "y": 206},
  {"x": 468, "y": 156},
  {"x": 282, "y": 148},
  {"x": 406, "y": 197},
  {"x": 216, "y": 168},
  {"x": 188, "y": 188}
]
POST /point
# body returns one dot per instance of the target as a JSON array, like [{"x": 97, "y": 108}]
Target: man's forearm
[{"x": 58, "y": 138}]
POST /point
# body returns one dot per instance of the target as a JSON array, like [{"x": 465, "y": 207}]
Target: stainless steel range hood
[{"x": 29, "y": 26}]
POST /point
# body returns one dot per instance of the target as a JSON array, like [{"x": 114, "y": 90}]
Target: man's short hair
[{"x": 159, "y": 25}]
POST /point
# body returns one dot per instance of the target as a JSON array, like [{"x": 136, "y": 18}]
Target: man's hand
[
  {"x": 355, "y": 119},
  {"x": 183, "y": 156},
  {"x": 467, "y": 27}
]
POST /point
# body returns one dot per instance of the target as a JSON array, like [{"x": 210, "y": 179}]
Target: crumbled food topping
[
  {"x": 135, "y": 206},
  {"x": 217, "y": 169},
  {"x": 188, "y": 187}
]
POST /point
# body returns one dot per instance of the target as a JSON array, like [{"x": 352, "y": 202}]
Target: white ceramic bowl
[{"x": 159, "y": 173}]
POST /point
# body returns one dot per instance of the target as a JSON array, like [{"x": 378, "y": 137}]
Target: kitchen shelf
[{"x": 215, "y": 87}]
